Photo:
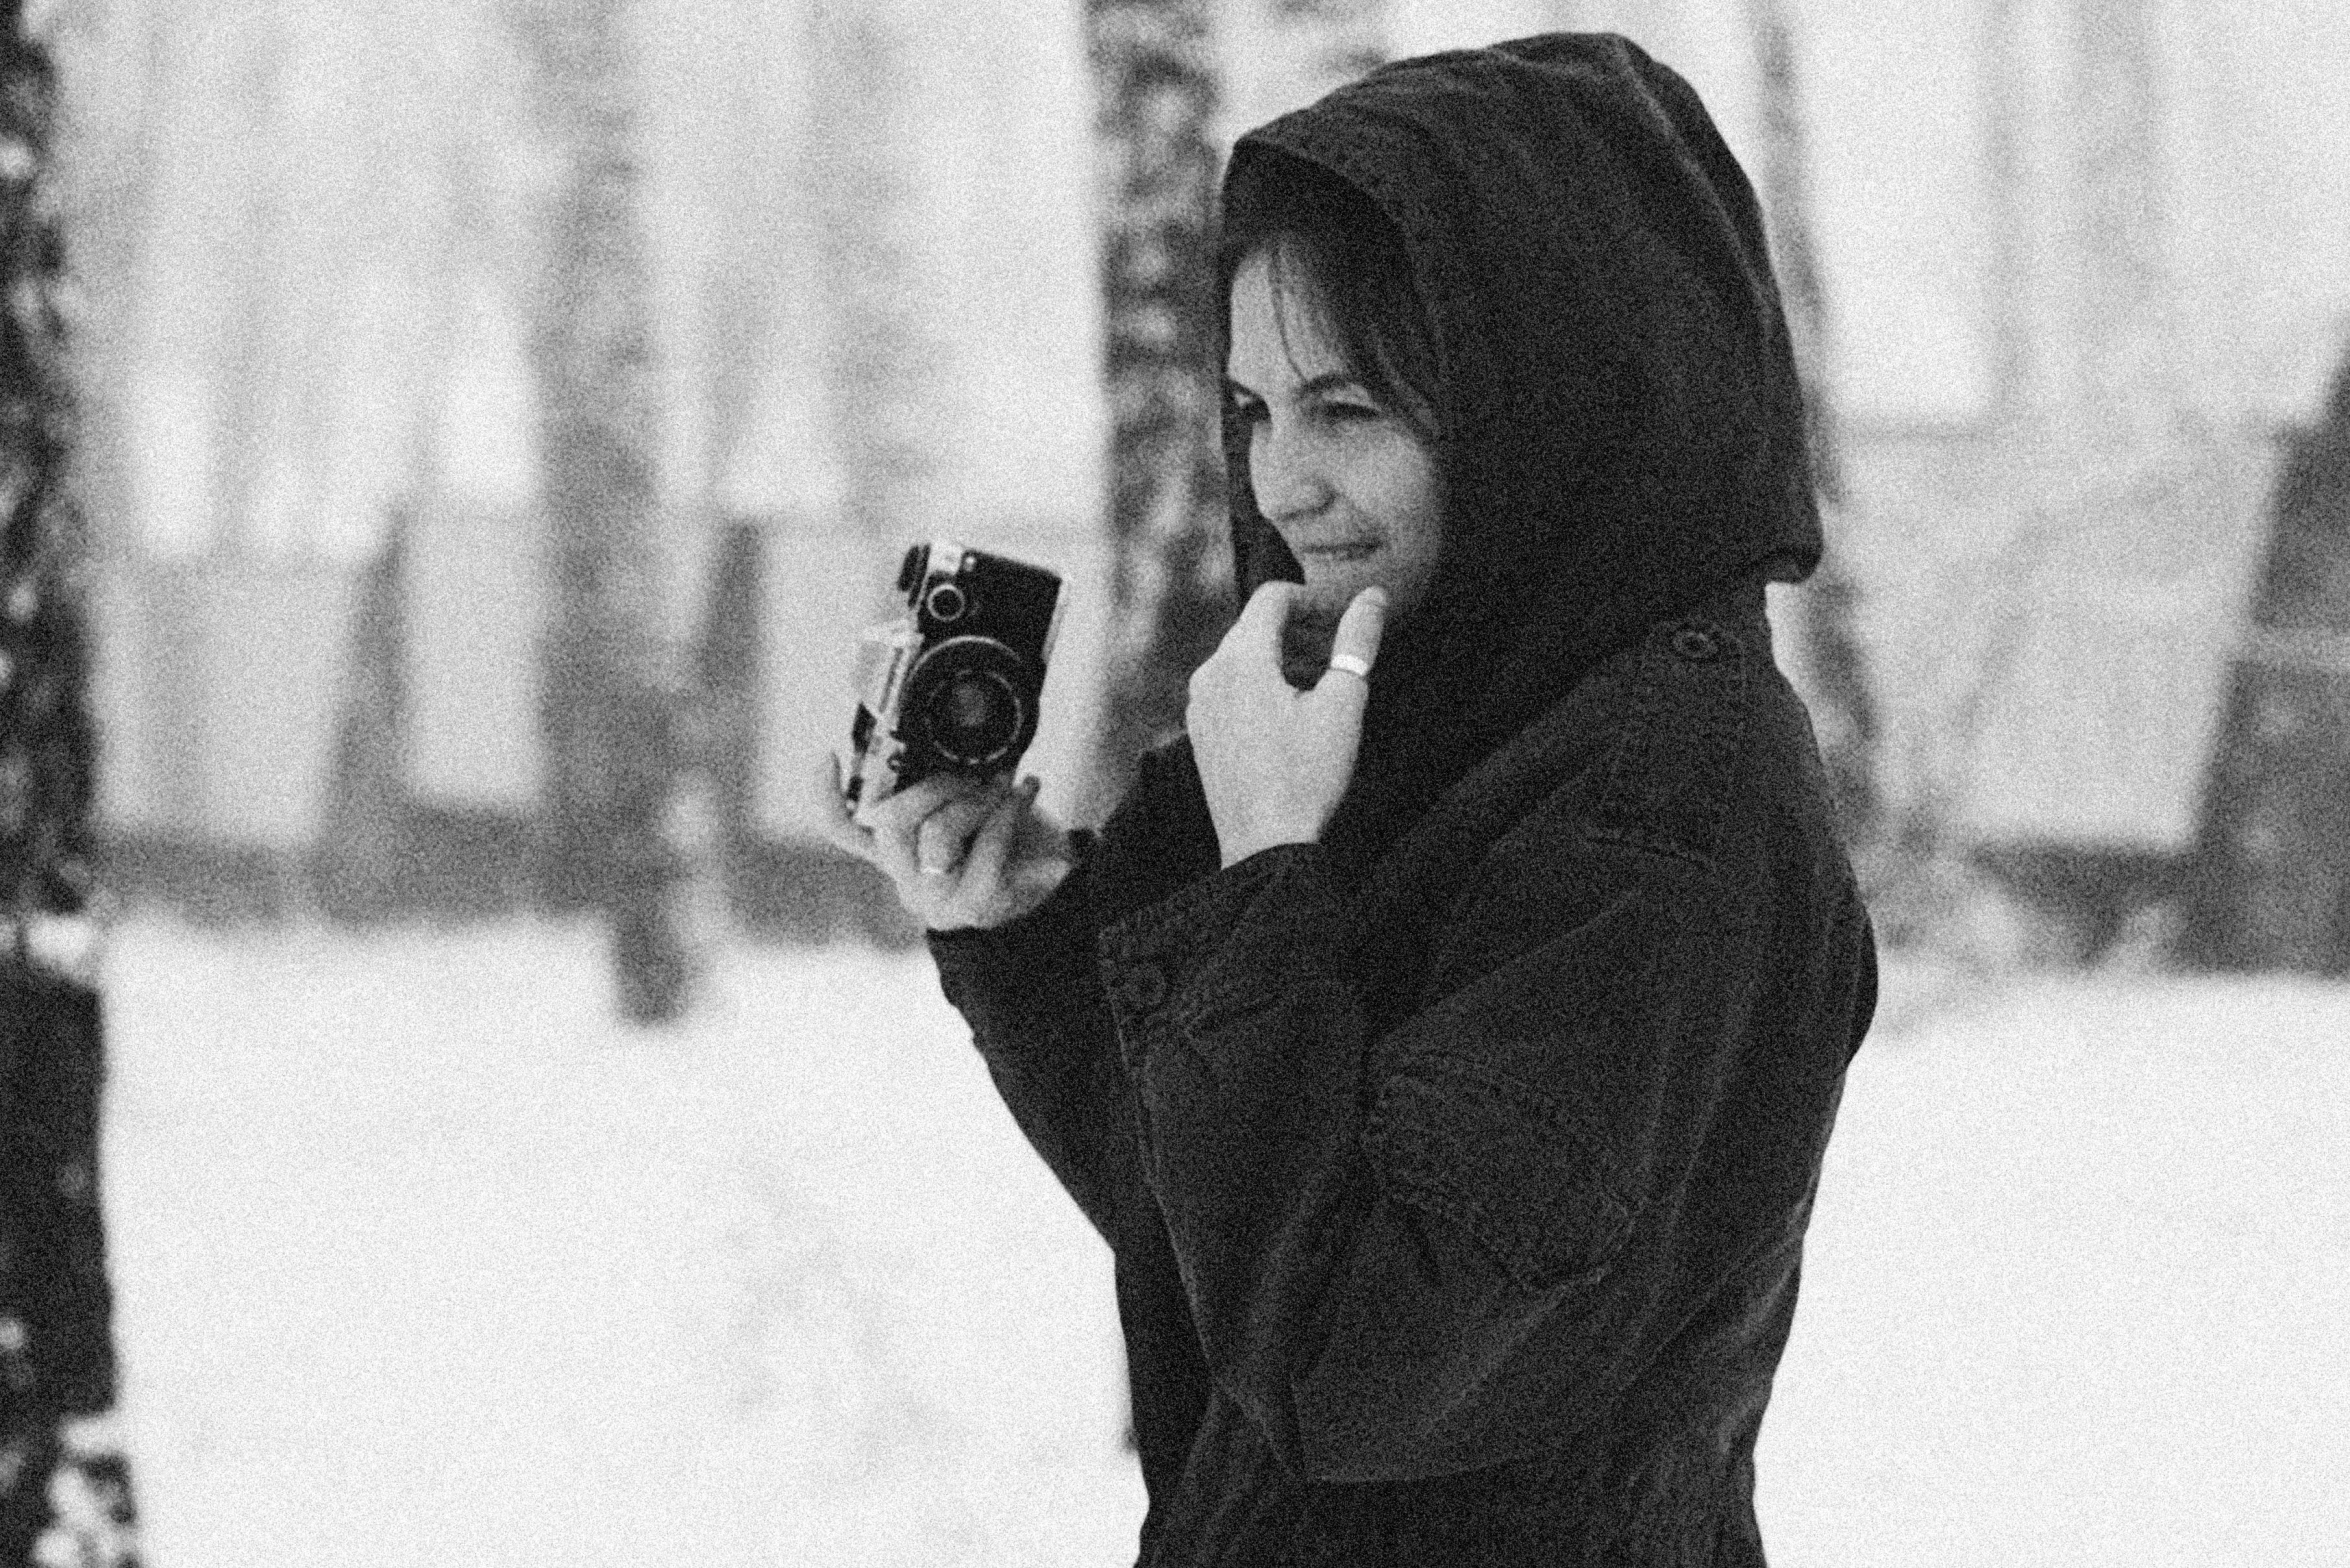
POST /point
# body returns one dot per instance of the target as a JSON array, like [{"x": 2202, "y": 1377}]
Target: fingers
[
  {"x": 944, "y": 837},
  {"x": 950, "y": 842},
  {"x": 1267, "y": 612},
  {"x": 1355, "y": 646},
  {"x": 992, "y": 848},
  {"x": 1253, "y": 643},
  {"x": 840, "y": 829},
  {"x": 898, "y": 821}
]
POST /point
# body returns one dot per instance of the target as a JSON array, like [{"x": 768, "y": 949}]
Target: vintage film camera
[{"x": 951, "y": 686}]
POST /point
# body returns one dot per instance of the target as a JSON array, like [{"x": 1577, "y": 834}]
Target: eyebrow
[{"x": 1313, "y": 386}]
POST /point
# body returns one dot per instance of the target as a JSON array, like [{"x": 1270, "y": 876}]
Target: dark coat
[{"x": 1456, "y": 1167}]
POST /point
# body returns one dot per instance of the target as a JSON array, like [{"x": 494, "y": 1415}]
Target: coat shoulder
[
  {"x": 1711, "y": 749},
  {"x": 1684, "y": 763}
]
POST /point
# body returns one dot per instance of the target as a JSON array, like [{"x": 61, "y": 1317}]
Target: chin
[{"x": 1326, "y": 597}]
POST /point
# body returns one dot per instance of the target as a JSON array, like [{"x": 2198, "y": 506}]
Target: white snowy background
[{"x": 422, "y": 1261}]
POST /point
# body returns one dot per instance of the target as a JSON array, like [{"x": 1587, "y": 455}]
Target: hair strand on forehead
[{"x": 1334, "y": 257}]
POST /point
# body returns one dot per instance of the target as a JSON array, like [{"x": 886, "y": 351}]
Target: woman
[{"x": 1447, "y": 1048}]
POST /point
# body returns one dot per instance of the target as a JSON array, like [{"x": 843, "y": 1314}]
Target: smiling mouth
[{"x": 1337, "y": 550}]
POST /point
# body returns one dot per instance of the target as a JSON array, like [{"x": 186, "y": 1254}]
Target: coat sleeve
[
  {"x": 1367, "y": 1230},
  {"x": 1031, "y": 991}
]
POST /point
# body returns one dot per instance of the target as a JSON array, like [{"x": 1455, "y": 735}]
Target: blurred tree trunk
[
  {"x": 64, "y": 1488},
  {"x": 2125, "y": 303},
  {"x": 1828, "y": 640},
  {"x": 880, "y": 363},
  {"x": 1331, "y": 41},
  {"x": 113, "y": 169},
  {"x": 1154, "y": 99},
  {"x": 614, "y": 706},
  {"x": 246, "y": 431},
  {"x": 2270, "y": 887}
]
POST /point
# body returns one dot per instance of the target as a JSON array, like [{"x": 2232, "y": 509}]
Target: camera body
[{"x": 952, "y": 684}]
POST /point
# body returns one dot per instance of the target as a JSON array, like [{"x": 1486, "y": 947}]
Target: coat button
[
  {"x": 1146, "y": 987},
  {"x": 1697, "y": 645}
]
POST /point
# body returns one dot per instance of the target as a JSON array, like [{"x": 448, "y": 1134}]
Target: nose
[{"x": 1285, "y": 472}]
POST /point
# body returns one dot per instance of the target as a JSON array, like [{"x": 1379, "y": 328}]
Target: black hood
[{"x": 1619, "y": 422}]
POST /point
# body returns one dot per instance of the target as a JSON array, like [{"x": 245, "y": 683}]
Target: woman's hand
[
  {"x": 960, "y": 852},
  {"x": 1275, "y": 760}
]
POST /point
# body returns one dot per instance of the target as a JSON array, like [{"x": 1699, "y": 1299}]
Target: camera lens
[
  {"x": 946, "y": 602},
  {"x": 968, "y": 705},
  {"x": 973, "y": 704},
  {"x": 974, "y": 716}
]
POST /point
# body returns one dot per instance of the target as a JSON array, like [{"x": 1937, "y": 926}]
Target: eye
[{"x": 1348, "y": 409}]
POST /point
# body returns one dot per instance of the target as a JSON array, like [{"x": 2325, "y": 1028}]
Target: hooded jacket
[{"x": 1456, "y": 1167}]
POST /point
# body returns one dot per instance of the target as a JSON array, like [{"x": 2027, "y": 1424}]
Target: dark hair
[{"x": 1358, "y": 287}]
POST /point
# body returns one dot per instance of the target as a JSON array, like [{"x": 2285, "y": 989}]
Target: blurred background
[{"x": 452, "y": 446}]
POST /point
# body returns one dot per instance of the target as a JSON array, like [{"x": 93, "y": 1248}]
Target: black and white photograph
[{"x": 1180, "y": 783}]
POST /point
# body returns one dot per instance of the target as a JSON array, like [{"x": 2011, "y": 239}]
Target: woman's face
[{"x": 1349, "y": 487}]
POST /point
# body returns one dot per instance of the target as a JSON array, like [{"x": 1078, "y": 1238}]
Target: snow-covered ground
[{"x": 421, "y": 1261}]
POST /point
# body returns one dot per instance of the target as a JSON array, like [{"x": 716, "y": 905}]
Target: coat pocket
[{"x": 1502, "y": 1161}]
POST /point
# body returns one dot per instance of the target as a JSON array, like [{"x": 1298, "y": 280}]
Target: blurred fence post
[
  {"x": 64, "y": 1486},
  {"x": 361, "y": 854},
  {"x": 2270, "y": 886}
]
